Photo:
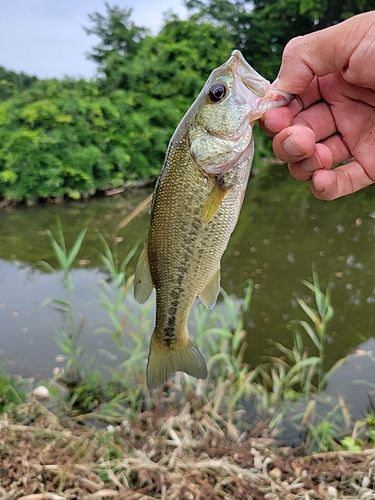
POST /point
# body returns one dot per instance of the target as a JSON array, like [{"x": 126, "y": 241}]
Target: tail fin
[{"x": 164, "y": 361}]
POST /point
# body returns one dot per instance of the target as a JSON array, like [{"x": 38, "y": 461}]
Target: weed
[
  {"x": 297, "y": 379},
  {"x": 64, "y": 257},
  {"x": 286, "y": 392},
  {"x": 319, "y": 318},
  {"x": 351, "y": 444},
  {"x": 67, "y": 336},
  {"x": 79, "y": 375},
  {"x": 11, "y": 391}
]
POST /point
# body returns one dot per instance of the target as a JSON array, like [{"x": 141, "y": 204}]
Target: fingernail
[
  {"x": 311, "y": 164},
  {"x": 291, "y": 147},
  {"x": 317, "y": 186},
  {"x": 269, "y": 126}
]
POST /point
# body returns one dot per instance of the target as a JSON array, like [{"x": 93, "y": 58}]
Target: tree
[
  {"x": 12, "y": 82},
  {"x": 262, "y": 28},
  {"x": 71, "y": 138},
  {"x": 119, "y": 40},
  {"x": 153, "y": 84},
  {"x": 163, "y": 78}
]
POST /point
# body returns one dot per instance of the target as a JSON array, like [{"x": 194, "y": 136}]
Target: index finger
[{"x": 277, "y": 119}]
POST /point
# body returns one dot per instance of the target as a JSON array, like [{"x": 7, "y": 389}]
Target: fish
[{"x": 196, "y": 204}]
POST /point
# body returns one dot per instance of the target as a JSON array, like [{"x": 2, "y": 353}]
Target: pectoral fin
[
  {"x": 210, "y": 292},
  {"x": 142, "y": 281},
  {"x": 213, "y": 202}
]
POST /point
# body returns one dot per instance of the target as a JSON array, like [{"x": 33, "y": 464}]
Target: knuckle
[{"x": 292, "y": 47}]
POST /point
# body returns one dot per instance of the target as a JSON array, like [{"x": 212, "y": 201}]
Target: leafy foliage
[
  {"x": 12, "y": 82},
  {"x": 53, "y": 141},
  {"x": 262, "y": 28},
  {"x": 72, "y": 138},
  {"x": 152, "y": 81}
]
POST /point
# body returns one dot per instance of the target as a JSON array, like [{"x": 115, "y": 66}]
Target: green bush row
[{"x": 72, "y": 138}]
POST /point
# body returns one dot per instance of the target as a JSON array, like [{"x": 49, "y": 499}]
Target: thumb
[{"x": 323, "y": 52}]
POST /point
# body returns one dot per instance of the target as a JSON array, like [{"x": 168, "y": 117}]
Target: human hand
[{"x": 332, "y": 119}]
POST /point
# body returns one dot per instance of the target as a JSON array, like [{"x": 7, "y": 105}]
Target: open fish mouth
[{"x": 255, "y": 82}]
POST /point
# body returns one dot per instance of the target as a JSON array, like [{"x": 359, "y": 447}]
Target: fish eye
[{"x": 217, "y": 92}]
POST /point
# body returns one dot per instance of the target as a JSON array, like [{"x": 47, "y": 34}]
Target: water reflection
[
  {"x": 26, "y": 328},
  {"x": 281, "y": 232},
  {"x": 355, "y": 380}
]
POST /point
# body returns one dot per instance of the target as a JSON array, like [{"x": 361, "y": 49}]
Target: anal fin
[
  {"x": 142, "y": 281},
  {"x": 211, "y": 291}
]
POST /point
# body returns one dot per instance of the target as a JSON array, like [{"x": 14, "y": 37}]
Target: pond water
[{"x": 282, "y": 231}]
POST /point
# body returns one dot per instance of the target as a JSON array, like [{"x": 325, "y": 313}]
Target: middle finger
[
  {"x": 306, "y": 99},
  {"x": 319, "y": 119}
]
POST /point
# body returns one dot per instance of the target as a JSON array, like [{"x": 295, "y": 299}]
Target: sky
[{"x": 46, "y": 38}]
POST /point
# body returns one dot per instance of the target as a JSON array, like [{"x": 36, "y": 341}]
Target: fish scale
[
  {"x": 193, "y": 262},
  {"x": 196, "y": 205}
]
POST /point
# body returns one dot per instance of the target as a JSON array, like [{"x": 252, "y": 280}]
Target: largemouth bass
[{"x": 196, "y": 204}]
